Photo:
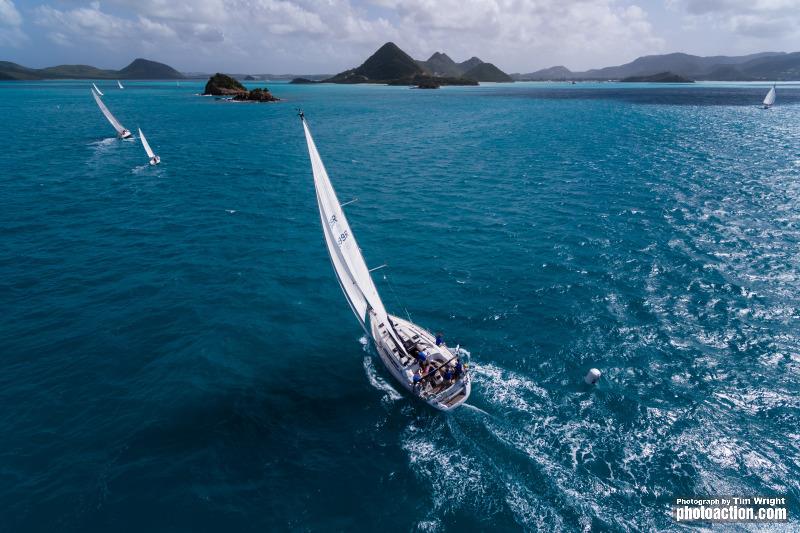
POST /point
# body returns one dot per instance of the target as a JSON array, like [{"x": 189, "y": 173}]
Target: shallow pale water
[{"x": 175, "y": 354}]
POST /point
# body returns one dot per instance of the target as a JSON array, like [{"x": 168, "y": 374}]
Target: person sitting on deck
[
  {"x": 421, "y": 356},
  {"x": 439, "y": 339}
]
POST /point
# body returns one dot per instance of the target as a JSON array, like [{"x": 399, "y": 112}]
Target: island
[
  {"x": 224, "y": 85},
  {"x": 392, "y": 66},
  {"x": 302, "y": 81},
  {"x": 138, "y": 69},
  {"x": 661, "y": 77}
]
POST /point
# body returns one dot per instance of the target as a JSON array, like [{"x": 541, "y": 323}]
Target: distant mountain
[
  {"x": 440, "y": 64},
  {"x": 763, "y": 66},
  {"x": 661, "y": 77},
  {"x": 469, "y": 64},
  {"x": 388, "y": 63},
  {"x": 393, "y": 66},
  {"x": 773, "y": 67},
  {"x": 139, "y": 69},
  {"x": 76, "y": 72},
  {"x": 12, "y": 71},
  {"x": 487, "y": 72},
  {"x": 553, "y": 73},
  {"x": 144, "y": 69}
]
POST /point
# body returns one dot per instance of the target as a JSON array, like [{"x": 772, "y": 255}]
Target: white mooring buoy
[{"x": 592, "y": 377}]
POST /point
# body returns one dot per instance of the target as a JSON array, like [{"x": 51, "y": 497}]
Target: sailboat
[
  {"x": 770, "y": 98},
  {"x": 122, "y": 132},
  {"x": 428, "y": 369},
  {"x": 154, "y": 159},
  {"x": 98, "y": 90},
  {"x": 120, "y": 85}
]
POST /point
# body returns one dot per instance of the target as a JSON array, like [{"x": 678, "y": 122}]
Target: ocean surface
[{"x": 176, "y": 355}]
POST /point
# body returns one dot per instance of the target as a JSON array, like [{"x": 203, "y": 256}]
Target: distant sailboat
[
  {"x": 154, "y": 159},
  {"x": 443, "y": 382},
  {"x": 770, "y": 98},
  {"x": 98, "y": 90},
  {"x": 120, "y": 85},
  {"x": 122, "y": 132}
]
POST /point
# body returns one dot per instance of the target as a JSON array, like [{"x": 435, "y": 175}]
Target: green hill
[
  {"x": 77, "y": 72},
  {"x": 139, "y": 69},
  {"x": 487, "y": 72},
  {"x": 144, "y": 69},
  {"x": 440, "y": 64},
  {"x": 661, "y": 77},
  {"x": 388, "y": 63}
]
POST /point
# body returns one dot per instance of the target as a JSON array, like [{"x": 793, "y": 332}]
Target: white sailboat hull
[{"x": 440, "y": 395}]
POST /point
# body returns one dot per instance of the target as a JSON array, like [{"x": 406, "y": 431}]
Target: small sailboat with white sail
[
  {"x": 98, "y": 90},
  {"x": 418, "y": 360},
  {"x": 120, "y": 85},
  {"x": 154, "y": 159},
  {"x": 122, "y": 131},
  {"x": 770, "y": 98}
]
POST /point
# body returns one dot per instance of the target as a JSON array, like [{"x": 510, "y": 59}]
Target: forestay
[
  {"x": 351, "y": 270},
  {"x": 146, "y": 145},
  {"x": 114, "y": 122}
]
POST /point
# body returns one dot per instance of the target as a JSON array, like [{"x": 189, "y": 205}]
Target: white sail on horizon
[
  {"x": 146, "y": 145},
  {"x": 348, "y": 263},
  {"x": 111, "y": 118},
  {"x": 770, "y": 98},
  {"x": 120, "y": 85},
  {"x": 98, "y": 90}
]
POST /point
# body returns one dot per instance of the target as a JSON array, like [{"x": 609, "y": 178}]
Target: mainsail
[
  {"x": 98, "y": 90},
  {"x": 146, "y": 145},
  {"x": 120, "y": 85},
  {"x": 770, "y": 98},
  {"x": 114, "y": 122},
  {"x": 348, "y": 263}
]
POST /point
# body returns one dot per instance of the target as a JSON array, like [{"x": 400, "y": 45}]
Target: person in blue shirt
[
  {"x": 422, "y": 356},
  {"x": 449, "y": 375},
  {"x": 439, "y": 339},
  {"x": 459, "y": 368},
  {"x": 417, "y": 377}
]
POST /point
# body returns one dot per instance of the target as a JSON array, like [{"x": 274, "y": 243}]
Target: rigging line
[{"x": 391, "y": 288}]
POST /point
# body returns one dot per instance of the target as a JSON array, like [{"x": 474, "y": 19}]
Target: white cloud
[
  {"x": 11, "y": 33},
  {"x": 330, "y": 35},
  {"x": 519, "y": 34},
  {"x": 755, "y": 19}
]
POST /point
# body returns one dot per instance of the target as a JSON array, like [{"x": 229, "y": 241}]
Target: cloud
[
  {"x": 11, "y": 33},
  {"x": 330, "y": 35},
  {"x": 758, "y": 19},
  {"x": 518, "y": 34}
]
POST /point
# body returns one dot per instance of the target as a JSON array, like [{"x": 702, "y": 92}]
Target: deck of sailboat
[{"x": 436, "y": 391}]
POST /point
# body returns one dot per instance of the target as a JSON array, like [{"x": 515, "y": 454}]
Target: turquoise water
[{"x": 177, "y": 356}]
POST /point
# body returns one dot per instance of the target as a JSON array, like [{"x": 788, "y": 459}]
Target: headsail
[
  {"x": 770, "y": 98},
  {"x": 120, "y": 85},
  {"x": 348, "y": 263},
  {"x": 146, "y": 145},
  {"x": 98, "y": 90},
  {"x": 114, "y": 122}
]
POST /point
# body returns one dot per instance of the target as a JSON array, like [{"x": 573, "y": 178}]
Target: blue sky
[{"x": 326, "y": 36}]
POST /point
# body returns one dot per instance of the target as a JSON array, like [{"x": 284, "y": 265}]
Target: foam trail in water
[{"x": 390, "y": 393}]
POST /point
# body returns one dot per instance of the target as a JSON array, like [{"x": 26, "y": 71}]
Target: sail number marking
[{"x": 343, "y": 235}]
